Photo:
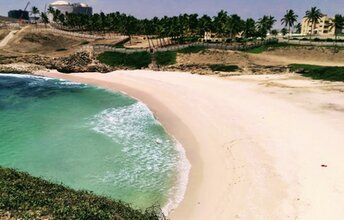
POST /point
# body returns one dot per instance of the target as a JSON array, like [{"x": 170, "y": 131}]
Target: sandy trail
[
  {"x": 9, "y": 37},
  {"x": 256, "y": 144}
]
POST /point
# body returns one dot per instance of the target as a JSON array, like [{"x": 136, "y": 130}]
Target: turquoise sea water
[{"x": 88, "y": 138}]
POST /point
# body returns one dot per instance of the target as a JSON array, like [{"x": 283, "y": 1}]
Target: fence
[
  {"x": 311, "y": 43},
  {"x": 105, "y": 48},
  {"x": 76, "y": 34}
]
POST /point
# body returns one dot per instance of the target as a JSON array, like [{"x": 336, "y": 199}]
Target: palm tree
[
  {"x": 289, "y": 19},
  {"x": 313, "y": 16},
  {"x": 337, "y": 24},
  {"x": 34, "y": 12},
  {"x": 44, "y": 18},
  {"x": 220, "y": 22},
  {"x": 265, "y": 25},
  {"x": 234, "y": 25},
  {"x": 250, "y": 28}
]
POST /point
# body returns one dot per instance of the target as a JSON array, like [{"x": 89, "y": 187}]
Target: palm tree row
[
  {"x": 186, "y": 26},
  {"x": 182, "y": 26}
]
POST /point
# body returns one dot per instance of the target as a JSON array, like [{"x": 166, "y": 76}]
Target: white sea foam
[
  {"x": 147, "y": 154},
  {"x": 178, "y": 191}
]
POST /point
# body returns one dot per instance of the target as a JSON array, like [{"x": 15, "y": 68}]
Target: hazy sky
[{"x": 151, "y": 8}]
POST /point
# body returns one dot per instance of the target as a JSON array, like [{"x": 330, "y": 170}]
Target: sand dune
[{"x": 261, "y": 147}]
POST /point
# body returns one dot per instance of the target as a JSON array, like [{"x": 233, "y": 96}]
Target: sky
[{"x": 151, "y": 8}]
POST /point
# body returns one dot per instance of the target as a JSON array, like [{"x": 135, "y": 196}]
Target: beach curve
[{"x": 247, "y": 162}]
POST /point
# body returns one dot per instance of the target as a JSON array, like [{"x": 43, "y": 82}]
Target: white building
[{"x": 67, "y": 7}]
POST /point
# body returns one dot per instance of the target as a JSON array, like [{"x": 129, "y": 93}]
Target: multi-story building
[
  {"x": 67, "y": 7},
  {"x": 322, "y": 28}
]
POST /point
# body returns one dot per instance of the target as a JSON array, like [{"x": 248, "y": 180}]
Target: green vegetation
[
  {"x": 120, "y": 45},
  {"x": 84, "y": 42},
  {"x": 192, "y": 49},
  {"x": 224, "y": 68},
  {"x": 329, "y": 73},
  {"x": 265, "y": 47},
  {"x": 289, "y": 20},
  {"x": 28, "y": 197},
  {"x": 166, "y": 58},
  {"x": 137, "y": 60},
  {"x": 61, "y": 49},
  {"x": 186, "y": 28}
]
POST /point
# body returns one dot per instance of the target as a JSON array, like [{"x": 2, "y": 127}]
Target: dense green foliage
[
  {"x": 319, "y": 72},
  {"x": 182, "y": 28},
  {"x": 223, "y": 68},
  {"x": 61, "y": 49},
  {"x": 28, "y": 197},
  {"x": 165, "y": 58},
  {"x": 192, "y": 49},
  {"x": 131, "y": 60}
]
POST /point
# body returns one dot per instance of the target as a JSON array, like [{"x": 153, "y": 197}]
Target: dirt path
[{"x": 9, "y": 37}]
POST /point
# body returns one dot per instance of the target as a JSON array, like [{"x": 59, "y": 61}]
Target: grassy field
[
  {"x": 166, "y": 58},
  {"x": 137, "y": 60},
  {"x": 192, "y": 49},
  {"x": 264, "y": 48},
  {"x": 319, "y": 72},
  {"x": 27, "y": 197}
]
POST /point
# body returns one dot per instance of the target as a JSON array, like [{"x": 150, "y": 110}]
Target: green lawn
[
  {"x": 27, "y": 197},
  {"x": 166, "y": 58},
  {"x": 329, "y": 73},
  {"x": 192, "y": 49},
  {"x": 131, "y": 60},
  {"x": 264, "y": 48}
]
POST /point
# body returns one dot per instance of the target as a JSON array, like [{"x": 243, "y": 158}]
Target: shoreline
[
  {"x": 186, "y": 138},
  {"x": 177, "y": 192},
  {"x": 241, "y": 142}
]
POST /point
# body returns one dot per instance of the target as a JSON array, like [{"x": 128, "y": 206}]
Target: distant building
[
  {"x": 322, "y": 28},
  {"x": 67, "y": 7},
  {"x": 19, "y": 14}
]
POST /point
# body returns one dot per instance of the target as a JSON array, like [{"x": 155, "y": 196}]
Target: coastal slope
[{"x": 261, "y": 147}]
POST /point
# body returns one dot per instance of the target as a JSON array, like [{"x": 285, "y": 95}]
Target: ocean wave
[{"x": 149, "y": 157}]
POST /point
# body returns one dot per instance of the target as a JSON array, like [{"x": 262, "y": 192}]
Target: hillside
[{"x": 25, "y": 197}]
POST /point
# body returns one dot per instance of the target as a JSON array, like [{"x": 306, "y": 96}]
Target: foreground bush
[
  {"x": 26, "y": 197},
  {"x": 330, "y": 73},
  {"x": 224, "y": 68},
  {"x": 165, "y": 58},
  {"x": 132, "y": 60}
]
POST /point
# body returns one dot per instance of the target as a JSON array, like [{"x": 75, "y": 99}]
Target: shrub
[
  {"x": 85, "y": 42},
  {"x": 166, "y": 58},
  {"x": 61, "y": 49},
  {"x": 228, "y": 40},
  {"x": 224, "y": 68},
  {"x": 330, "y": 73},
  {"x": 27, "y": 197},
  {"x": 304, "y": 39},
  {"x": 316, "y": 39},
  {"x": 136, "y": 60},
  {"x": 329, "y": 40}
]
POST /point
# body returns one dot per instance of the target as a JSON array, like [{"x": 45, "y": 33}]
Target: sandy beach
[{"x": 261, "y": 147}]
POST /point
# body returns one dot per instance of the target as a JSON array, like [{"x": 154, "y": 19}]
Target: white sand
[{"x": 256, "y": 145}]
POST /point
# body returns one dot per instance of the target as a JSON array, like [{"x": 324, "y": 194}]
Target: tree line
[{"x": 225, "y": 25}]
